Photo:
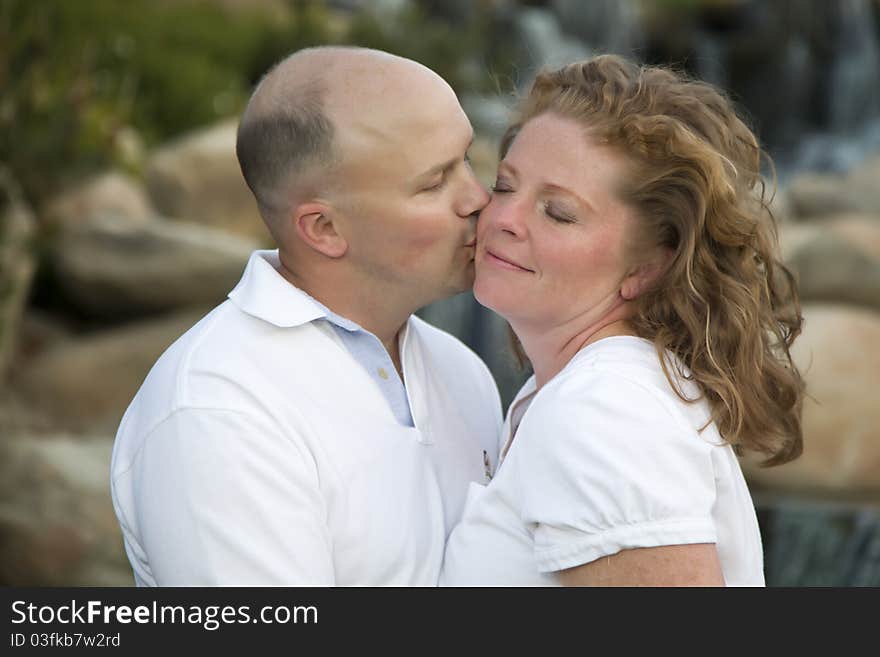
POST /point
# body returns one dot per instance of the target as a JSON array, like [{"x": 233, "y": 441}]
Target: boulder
[
  {"x": 780, "y": 204},
  {"x": 56, "y": 516},
  {"x": 839, "y": 355},
  {"x": 112, "y": 193},
  {"x": 111, "y": 269},
  {"x": 197, "y": 178},
  {"x": 86, "y": 383},
  {"x": 17, "y": 264},
  {"x": 837, "y": 260},
  {"x": 860, "y": 230},
  {"x": 815, "y": 195}
]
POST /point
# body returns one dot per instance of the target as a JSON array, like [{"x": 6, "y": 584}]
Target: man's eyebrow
[{"x": 439, "y": 168}]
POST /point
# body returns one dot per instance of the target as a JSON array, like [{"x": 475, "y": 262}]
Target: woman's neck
[{"x": 550, "y": 349}]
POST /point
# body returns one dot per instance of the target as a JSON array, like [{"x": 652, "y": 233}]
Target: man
[{"x": 310, "y": 429}]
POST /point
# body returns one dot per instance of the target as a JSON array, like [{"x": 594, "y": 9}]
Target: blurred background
[{"x": 124, "y": 218}]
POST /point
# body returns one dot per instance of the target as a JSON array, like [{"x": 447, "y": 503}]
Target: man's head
[{"x": 357, "y": 159}]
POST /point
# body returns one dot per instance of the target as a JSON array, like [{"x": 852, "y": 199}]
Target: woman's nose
[{"x": 504, "y": 214}]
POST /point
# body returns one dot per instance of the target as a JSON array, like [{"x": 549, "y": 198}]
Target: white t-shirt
[
  {"x": 259, "y": 452},
  {"x": 606, "y": 458}
]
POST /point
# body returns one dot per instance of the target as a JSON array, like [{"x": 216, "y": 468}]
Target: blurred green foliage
[
  {"x": 76, "y": 77},
  {"x": 466, "y": 53},
  {"x": 91, "y": 84}
]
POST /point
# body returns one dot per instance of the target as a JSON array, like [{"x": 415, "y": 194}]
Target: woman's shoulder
[{"x": 621, "y": 380}]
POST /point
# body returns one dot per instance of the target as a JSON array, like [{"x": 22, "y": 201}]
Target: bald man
[{"x": 311, "y": 429}]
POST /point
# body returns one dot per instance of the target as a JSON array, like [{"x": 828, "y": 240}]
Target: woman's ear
[
  {"x": 316, "y": 225},
  {"x": 642, "y": 277}
]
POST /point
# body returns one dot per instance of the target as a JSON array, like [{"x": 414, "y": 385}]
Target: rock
[
  {"x": 17, "y": 264},
  {"x": 793, "y": 237},
  {"x": 40, "y": 330},
  {"x": 780, "y": 205},
  {"x": 837, "y": 260},
  {"x": 860, "y": 230},
  {"x": 56, "y": 515},
  {"x": 110, "y": 193},
  {"x": 197, "y": 178},
  {"x": 109, "y": 268},
  {"x": 831, "y": 269},
  {"x": 814, "y": 195},
  {"x": 839, "y": 355},
  {"x": 86, "y": 383},
  {"x": 866, "y": 178}
]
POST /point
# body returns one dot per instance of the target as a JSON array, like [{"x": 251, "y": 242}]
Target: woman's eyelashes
[
  {"x": 551, "y": 209},
  {"x": 559, "y": 214}
]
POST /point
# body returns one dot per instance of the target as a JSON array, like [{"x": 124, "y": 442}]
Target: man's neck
[{"x": 376, "y": 311}]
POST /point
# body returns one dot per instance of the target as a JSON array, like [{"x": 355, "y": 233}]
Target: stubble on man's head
[{"x": 323, "y": 110}]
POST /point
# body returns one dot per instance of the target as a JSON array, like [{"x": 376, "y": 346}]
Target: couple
[{"x": 311, "y": 430}]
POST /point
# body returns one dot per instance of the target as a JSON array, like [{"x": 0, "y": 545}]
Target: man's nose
[{"x": 474, "y": 198}]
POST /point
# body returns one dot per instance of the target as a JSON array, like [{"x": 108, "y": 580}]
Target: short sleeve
[{"x": 606, "y": 465}]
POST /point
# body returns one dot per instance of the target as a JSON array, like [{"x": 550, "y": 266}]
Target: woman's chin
[{"x": 487, "y": 294}]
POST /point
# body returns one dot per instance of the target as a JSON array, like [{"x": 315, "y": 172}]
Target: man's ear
[
  {"x": 316, "y": 225},
  {"x": 642, "y": 277}
]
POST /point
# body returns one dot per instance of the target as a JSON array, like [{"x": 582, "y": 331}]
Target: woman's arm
[{"x": 667, "y": 565}]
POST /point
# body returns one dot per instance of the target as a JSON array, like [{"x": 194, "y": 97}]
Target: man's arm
[{"x": 222, "y": 498}]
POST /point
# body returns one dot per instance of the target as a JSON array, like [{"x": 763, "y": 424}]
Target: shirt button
[{"x": 383, "y": 373}]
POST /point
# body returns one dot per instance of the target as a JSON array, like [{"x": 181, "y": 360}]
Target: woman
[{"x": 630, "y": 248}]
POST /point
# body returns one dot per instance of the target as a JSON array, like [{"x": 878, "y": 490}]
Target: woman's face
[{"x": 550, "y": 244}]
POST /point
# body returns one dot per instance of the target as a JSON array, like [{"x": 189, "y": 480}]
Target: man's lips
[{"x": 505, "y": 262}]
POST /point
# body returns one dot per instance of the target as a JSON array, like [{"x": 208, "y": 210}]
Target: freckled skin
[{"x": 578, "y": 266}]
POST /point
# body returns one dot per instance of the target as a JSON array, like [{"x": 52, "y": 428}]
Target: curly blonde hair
[{"x": 726, "y": 306}]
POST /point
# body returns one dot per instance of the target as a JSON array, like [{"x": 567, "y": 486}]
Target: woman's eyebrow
[
  {"x": 566, "y": 190},
  {"x": 504, "y": 164}
]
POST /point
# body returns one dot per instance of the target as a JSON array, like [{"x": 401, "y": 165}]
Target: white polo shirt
[
  {"x": 258, "y": 451},
  {"x": 606, "y": 458}
]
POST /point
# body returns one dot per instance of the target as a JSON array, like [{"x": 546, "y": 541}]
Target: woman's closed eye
[{"x": 559, "y": 214}]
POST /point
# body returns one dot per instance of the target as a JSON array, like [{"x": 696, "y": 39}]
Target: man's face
[{"x": 408, "y": 199}]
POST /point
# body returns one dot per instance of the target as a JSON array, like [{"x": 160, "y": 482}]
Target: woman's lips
[{"x": 504, "y": 263}]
